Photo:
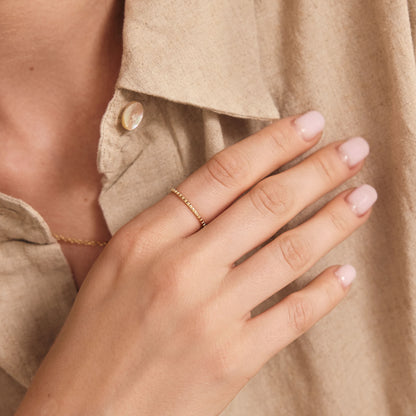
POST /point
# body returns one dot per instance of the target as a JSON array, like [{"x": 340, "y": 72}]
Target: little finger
[{"x": 268, "y": 333}]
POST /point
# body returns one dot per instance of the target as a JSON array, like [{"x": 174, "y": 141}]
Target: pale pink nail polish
[
  {"x": 362, "y": 198},
  {"x": 354, "y": 150},
  {"x": 309, "y": 124},
  {"x": 346, "y": 274}
]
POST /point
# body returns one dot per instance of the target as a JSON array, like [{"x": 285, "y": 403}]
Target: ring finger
[{"x": 229, "y": 173}]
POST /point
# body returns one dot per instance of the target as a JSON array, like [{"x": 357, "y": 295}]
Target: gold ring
[{"x": 189, "y": 205}]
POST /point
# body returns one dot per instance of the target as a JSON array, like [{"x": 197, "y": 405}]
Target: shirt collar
[
  {"x": 19, "y": 221},
  {"x": 202, "y": 56},
  {"x": 199, "y": 55}
]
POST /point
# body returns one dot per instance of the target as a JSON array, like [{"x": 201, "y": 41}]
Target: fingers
[
  {"x": 215, "y": 185},
  {"x": 295, "y": 251},
  {"x": 268, "y": 333},
  {"x": 274, "y": 201}
]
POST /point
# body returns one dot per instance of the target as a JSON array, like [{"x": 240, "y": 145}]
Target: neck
[{"x": 59, "y": 63}]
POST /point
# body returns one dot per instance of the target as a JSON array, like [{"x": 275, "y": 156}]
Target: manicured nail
[
  {"x": 354, "y": 150},
  {"x": 346, "y": 274},
  {"x": 362, "y": 198},
  {"x": 310, "y": 124}
]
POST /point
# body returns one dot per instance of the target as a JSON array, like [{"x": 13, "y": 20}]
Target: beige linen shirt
[{"x": 210, "y": 73}]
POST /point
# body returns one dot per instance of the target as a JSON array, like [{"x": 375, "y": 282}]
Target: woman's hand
[{"x": 162, "y": 324}]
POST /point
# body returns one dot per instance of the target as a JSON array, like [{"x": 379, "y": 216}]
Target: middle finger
[{"x": 274, "y": 201}]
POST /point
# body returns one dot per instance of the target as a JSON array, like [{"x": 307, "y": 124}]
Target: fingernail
[
  {"x": 310, "y": 124},
  {"x": 354, "y": 150},
  {"x": 346, "y": 274},
  {"x": 362, "y": 198}
]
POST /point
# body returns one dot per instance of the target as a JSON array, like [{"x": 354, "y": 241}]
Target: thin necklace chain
[{"x": 70, "y": 240}]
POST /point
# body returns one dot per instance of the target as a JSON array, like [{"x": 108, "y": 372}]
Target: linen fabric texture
[{"x": 208, "y": 75}]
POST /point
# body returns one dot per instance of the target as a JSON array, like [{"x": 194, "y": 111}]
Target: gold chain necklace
[{"x": 80, "y": 242}]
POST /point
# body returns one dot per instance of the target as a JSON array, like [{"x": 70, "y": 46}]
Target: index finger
[{"x": 232, "y": 171}]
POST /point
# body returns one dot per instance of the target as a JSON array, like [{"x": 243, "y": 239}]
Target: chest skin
[{"x": 62, "y": 183}]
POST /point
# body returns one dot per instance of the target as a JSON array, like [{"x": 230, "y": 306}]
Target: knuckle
[
  {"x": 339, "y": 221},
  {"x": 270, "y": 197},
  {"x": 223, "y": 358},
  {"x": 324, "y": 169},
  {"x": 167, "y": 285},
  {"x": 300, "y": 312},
  {"x": 280, "y": 139},
  {"x": 123, "y": 241},
  {"x": 296, "y": 251},
  {"x": 225, "y": 363},
  {"x": 229, "y": 168},
  {"x": 134, "y": 242},
  {"x": 169, "y": 276},
  {"x": 202, "y": 323}
]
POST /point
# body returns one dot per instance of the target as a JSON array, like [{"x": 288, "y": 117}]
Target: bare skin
[
  {"x": 162, "y": 322},
  {"x": 50, "y": 110}
]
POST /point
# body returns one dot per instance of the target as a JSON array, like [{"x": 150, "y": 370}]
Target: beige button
[{"x": 132, "y": 115}]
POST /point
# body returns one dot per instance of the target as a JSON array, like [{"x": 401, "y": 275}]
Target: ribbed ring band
[{"x": 189, "y": 205}]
